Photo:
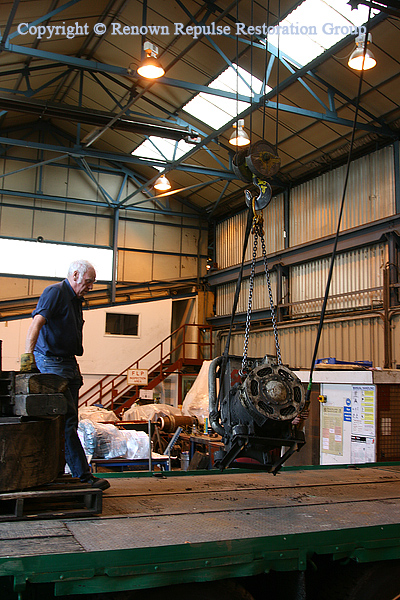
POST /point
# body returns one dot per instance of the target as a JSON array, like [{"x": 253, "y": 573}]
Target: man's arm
[
  {"x": 27, "y": 363},
  {"x": 33, "y": 333}
]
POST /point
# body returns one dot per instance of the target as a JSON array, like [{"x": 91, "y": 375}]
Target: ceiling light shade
[
  {"x": 360, "y": 60},
  {"x": 150, "y": 67},
  {"x": 162, "y": 184},
  {"x": 239, "y": 137}
]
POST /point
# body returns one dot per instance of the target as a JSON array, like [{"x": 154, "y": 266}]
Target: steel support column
[
  {"x": 393, "y": 267},
  {"x": 115, "y": 256},
  {"x": 286, "y": 215},
  {"x": 396, "y": 159}
]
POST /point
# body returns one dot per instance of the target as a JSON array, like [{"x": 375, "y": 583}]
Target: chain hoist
[
  {"x": 258, "y": 232},
  {"x": 255, "y": 416}
]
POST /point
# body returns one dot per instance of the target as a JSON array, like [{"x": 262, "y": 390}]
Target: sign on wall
[{"x": 137, "y": 377}]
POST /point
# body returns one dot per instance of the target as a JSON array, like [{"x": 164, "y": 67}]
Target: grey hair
[{"x": 82, "y": 266}]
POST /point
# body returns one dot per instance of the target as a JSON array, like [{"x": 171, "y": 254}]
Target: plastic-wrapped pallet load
[
  {"x": 103, "y": 440},
  {"x": 195, "y": 403},
  {"x": 150, "y": 412},
  {"x": 97, "y": 414}
]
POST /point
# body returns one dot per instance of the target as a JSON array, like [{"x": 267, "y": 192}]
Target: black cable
[
  {"x": 235, "y": 303},
  {"x": 237, "y": 83},
  {"x": 334, "y": 251},
  {"x": 265, "y": 71},
  {"x": 251, "y": 68},
  {"x": 277, "y": 83}
]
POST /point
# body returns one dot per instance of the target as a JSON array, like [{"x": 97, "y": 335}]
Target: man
[{"x": 53, "y": 341}]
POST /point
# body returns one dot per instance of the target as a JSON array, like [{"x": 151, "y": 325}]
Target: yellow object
[{"x": 28, "y": 363}]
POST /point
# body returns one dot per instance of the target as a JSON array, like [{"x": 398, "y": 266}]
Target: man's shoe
[{"x": 94, "y": 482}]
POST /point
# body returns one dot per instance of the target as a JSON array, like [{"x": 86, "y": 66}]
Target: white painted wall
[{"x": 104, "y": 354}]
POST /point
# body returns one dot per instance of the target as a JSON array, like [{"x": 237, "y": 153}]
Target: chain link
[
  {"x": 245, "y": 369},
  {"x": 257, "y": 230},
  {"x": 271, "y": 302}
]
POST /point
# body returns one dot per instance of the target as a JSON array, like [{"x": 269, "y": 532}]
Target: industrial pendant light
[
  {"x": 150, "y": 67},
  {"x": 162, "y": 184},
  {"x": 361, "y": 58},
  {"x": 239, "y": 137}
]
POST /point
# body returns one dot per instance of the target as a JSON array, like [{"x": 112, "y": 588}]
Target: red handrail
[{"x": 110, "y": 387}]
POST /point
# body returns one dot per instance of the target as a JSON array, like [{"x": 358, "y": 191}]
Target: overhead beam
[
  {"x": 99, "y": 203},
  {"x": 78, "y": 151},
  {"x": 95, "y": 118}
]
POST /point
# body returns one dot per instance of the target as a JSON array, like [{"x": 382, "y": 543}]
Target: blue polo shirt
[{"x": 61, "y": 335}]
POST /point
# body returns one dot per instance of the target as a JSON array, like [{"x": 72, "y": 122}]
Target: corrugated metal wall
[
  {"x": 230, "y": 235},
  {"x": 314, "y": 205},
  {"x": 349, "y": 339},
  {"x": 226, "y": 293},
  {"x": 356, "y": 281},
  {"x": 314, "y": 208},
  {"x": 357, "y": 278}
]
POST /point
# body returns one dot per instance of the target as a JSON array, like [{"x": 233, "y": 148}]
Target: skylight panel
[
  {"x": 159, "y": 148},
  {"x": 215, "y": 110},
  {"x": 316, "y": 26}
]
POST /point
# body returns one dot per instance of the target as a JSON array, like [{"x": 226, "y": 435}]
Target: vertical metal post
[
  {"x": 393, "y": 268},
  {"x": 144, "y": 22},
  {"x": 386, "y": 319},
  {"x": 279, "y": 288},
  {"x": 396, "y": 158},
  {"x": 115, "y": 256},
  {"x": 286, "y": 209},
  {"x": 78, "y": 127},
  {"x": 150, "y": 457}
]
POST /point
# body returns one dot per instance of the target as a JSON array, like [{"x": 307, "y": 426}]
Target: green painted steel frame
[{"x": 141, "y": 568}]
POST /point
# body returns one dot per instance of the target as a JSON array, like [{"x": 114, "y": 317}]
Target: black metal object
[{"x": 255, "y": 416}]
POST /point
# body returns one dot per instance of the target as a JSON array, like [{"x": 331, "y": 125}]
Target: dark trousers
[{"x": 68, "y": 368}]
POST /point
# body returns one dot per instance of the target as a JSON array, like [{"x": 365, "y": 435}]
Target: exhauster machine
[{"x": 256, "y": 416}]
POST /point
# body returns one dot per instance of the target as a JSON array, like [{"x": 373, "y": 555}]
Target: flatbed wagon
[{"x": 169, "y": 529}]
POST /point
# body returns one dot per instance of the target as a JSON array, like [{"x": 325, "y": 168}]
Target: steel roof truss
[{"x": 45, "y": 17}]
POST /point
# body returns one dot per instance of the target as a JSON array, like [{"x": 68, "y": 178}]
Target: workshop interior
[{"x": 232, "y": 172}]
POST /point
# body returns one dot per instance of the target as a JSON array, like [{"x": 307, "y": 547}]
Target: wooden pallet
[{"x": 66, "y": 497}]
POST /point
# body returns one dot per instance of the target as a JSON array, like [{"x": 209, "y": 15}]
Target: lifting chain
[{"x": 258, "y": 232}]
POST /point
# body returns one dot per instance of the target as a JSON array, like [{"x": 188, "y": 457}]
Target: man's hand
[{"x": 28, "y": 364}]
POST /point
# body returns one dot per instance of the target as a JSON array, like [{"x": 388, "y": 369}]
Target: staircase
[{"x": 187, "y": 346}]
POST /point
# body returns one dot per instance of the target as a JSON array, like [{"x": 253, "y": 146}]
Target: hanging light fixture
[
  {"x": 150, "y": 67},
  {"x": 162, "y": 184},
  {"x": 239, "y": 137},
  {"x": 361, "y": 58}
]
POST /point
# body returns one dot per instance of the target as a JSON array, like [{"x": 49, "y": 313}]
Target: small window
[{"x": 119, "y": 324}]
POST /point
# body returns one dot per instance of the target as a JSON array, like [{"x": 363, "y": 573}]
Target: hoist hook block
[
  {"x": 240, "y": 168},
  {"x": 264, "y": 197},
  {"x": 259, "y": 159},
  {"x": 262, "y": 160}
]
